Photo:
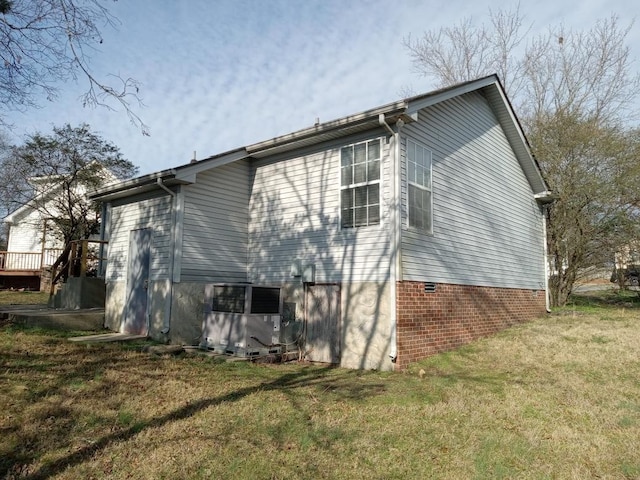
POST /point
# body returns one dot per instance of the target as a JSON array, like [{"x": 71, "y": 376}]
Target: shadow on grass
[
  {"x": 80, "y": 366},
  {"x": 301, "y": 378}
]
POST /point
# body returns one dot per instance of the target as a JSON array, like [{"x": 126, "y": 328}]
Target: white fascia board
[
  {"x": 545, "y": 197},
  {"x": 130, "y": 184},
  {"x": 317, "y": 131},
  {"x": 537, "y": 183},
  {"x": 187, "y": 173},
  {"x": 11, "y": 218},
  {"x": 418, "y": 103}
]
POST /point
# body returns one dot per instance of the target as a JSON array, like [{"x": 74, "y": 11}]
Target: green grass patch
[
  {"x": 555, "y": 398},
  {"x": 597, "y": 300}
]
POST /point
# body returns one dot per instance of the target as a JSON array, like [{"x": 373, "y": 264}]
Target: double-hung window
[
  {"x": 419, "y": 186},
  {"x": 360, "y": 184}
]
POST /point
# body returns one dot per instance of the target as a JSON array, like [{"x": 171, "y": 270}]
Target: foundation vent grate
[{"x": 429, "y": 287}]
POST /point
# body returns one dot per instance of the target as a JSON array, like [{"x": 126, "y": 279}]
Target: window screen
[
  {"x": 228, "y": 299},
  {"x": 265, "y": 300}
]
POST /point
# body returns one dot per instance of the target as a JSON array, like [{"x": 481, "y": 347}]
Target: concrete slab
[
  {"x": 5, "y": 310},
  {"x": 91, "y": 319}
]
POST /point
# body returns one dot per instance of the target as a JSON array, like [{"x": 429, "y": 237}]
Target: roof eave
[
  {"x": 369, "y": 119},
  {"x": 132, "y": 186},
  {"x": 325, "y": 131}
]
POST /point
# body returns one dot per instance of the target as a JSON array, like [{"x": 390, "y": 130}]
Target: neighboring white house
[
  {"x": 370, "y": 241},
  {"x": 30, "y": 233},
  {"x": 32, "y": 241}
]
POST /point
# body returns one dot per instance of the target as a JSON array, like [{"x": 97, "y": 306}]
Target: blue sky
[{"x": 220, "y": 74}]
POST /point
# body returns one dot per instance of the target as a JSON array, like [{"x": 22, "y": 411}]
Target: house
[
  {"x": 370, "y": 241},
  {"x": 31, "y": 244},
  {"x": 34, "y": 243}
]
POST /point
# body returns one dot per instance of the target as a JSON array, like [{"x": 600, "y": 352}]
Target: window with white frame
[
  {"x": 419, "y": 186},
  {"x": 360, "y": 184}
]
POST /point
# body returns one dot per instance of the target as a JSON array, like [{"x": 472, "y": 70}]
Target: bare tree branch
[
  {"x": 51, "y": 173},
  {"x": 44, "y": 43}
]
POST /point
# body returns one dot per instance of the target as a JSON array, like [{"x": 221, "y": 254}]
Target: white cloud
[{"x": 219, "y": 75}]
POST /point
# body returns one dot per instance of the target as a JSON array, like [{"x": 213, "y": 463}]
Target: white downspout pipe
[
  {"x": 383, "y": 122},
  {"x": 166, "y": 322},
  {"x": 546, "y": 259},
  {"x": 103, "y": 237},
  {"x": 165, "y": 188},
  {"x": 394, "y": 267}
]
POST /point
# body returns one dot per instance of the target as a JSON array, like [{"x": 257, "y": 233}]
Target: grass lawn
[
  {"x": 556, "y": 398},
  {"x": 13, "y": 297}
]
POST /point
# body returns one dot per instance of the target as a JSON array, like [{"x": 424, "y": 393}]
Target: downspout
[
  {"x": 546, "y": 259},
  {"x": 383, "y": 122},
  {"x": 544, "y": 199},
  {"x": 166, "y": 323},
  {"x": 394, "y": 267},
  {"x": 165, "y": 188},
  {"x": 103, "y": 236}
]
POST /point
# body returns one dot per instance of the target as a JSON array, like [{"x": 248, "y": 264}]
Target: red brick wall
[{"x": 455, "y": 315}]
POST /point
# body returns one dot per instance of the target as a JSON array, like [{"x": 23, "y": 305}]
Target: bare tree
[
  {"x": 585, "y": 73},
  {"x": 44, "y": 42},
  {"x": 52, "y": 174},
  {"x": 574, "y": 93},
  {"x": 465, "y": 51},
  {"x": 595, "y": 172}
]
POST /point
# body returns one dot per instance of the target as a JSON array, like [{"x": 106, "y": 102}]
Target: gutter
[
  {"x": 165, "y": 188},
  {"x": 131, "y": 184}
]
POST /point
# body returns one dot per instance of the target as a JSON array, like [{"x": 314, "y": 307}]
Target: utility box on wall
[
  {"x": 306, "y": 273},
  {"x": 243, "y": 320},
  {"x": 309, "y": 274}
]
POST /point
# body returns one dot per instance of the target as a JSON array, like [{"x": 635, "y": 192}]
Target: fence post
[
  {"x": 72, "y": 258},
  {"x": 83, "y": 258},
  {"x": 44, "y": 243}
]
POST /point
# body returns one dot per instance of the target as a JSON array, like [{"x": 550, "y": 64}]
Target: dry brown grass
[{"x": 556, "y": 398}]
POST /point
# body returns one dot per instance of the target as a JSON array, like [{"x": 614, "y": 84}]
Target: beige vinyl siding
[
  {"x": 487, "y": 227},
  {"x": 295, "y": 215},
  {"x": 214, "y": 240},
  {"x": 153, "y": 213}
]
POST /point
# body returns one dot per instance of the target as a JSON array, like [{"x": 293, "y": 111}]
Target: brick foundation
[{"x": 455, "y": 315}]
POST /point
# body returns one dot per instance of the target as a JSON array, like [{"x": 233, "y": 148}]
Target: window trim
[
  {"x": 365, "y": 183},
  {"x": 419, "y": 186}
]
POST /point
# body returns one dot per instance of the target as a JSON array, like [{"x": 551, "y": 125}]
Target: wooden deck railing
[
  {"x": 28, "y": 261},
  {"x": 78, "y": 259}
]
